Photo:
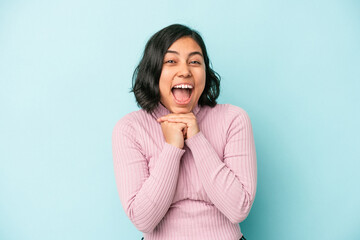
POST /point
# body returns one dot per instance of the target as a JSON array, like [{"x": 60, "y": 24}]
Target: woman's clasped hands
[{"x": 178, "y": 127}]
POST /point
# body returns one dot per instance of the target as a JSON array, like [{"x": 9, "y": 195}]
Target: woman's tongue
[{"x": 181, "y": 94}]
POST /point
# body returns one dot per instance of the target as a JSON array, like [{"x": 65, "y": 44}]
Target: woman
[{"x": 185, "y": 166}]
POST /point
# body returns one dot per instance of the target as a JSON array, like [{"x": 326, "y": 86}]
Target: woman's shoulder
[
  {"x": 227, "y": 109},
  {"x": 232, "y": 115},
  {"x": 132, "y": 119}
]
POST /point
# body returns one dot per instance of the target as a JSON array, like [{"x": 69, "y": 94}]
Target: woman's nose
[{"x": 184, "y": 71}]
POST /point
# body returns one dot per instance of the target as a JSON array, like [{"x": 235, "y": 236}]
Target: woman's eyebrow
[
  {"x": 190, "y": 54},
  {"x": 195, "y": 53},
  {"x": 171, "y": 51}
]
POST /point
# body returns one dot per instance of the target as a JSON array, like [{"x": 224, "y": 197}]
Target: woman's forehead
[{"x": 185, "y": 45}]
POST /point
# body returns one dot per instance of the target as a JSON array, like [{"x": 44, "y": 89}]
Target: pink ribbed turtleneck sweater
[{"x": 202, "y": 191}]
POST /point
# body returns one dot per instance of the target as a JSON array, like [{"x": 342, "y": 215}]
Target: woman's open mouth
[{"x": 182, "y": 93}]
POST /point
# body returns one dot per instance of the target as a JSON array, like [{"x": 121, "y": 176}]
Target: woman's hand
[
  {"x": 189, "y": 119},
  {"x": 174, "y": 133}
]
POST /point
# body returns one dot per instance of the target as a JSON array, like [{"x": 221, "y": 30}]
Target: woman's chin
[{"x": 181, "y": 109}]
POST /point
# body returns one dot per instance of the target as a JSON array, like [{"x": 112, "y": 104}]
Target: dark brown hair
[{"x": 147, "y": 74}]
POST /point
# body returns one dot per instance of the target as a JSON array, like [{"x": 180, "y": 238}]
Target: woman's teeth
[{"x": 183, "y": 86}]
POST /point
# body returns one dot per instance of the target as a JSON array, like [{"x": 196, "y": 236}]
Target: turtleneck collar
[{"x": 161, "y": 110}]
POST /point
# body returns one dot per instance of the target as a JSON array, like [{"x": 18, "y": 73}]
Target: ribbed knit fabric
[{"x": 202, "y": 191}]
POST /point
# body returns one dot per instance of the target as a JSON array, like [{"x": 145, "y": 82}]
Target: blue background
[{"x": 65, "y": 75}]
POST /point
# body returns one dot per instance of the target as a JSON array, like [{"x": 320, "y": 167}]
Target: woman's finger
[
  {"x": 177, "y": 118},
  {"x": 174, "y": 120},
  {"x": 175, "y": 115},
  {"x": 188, "y": 119}
]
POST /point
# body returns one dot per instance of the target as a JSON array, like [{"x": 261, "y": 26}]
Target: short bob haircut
[{"x": 146, "y": 76}]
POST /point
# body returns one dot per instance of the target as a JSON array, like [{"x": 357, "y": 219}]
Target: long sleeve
[
  {"x": 230, "y": 184},
  {"x": 145, "y": 196}
]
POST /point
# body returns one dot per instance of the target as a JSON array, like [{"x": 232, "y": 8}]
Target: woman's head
[{"x": 175, "y": 55}]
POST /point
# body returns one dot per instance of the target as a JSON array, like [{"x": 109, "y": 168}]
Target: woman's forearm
[
  {"x": 230, "y": 184},
  {"x": 145, "y": 196}
]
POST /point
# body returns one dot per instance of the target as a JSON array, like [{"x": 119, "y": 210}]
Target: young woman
[{"x": 185, "y": 166}]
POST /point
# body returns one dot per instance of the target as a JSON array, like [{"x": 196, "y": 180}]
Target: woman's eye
[
  {"x": 170, "y": 61},
  {"x": 195, "y": 62}
]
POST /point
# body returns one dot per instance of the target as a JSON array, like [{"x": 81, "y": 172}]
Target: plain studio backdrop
[{"x": 65, "y": 76}]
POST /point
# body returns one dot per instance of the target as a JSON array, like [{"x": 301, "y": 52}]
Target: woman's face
[{"x": 182, "y": 78}]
